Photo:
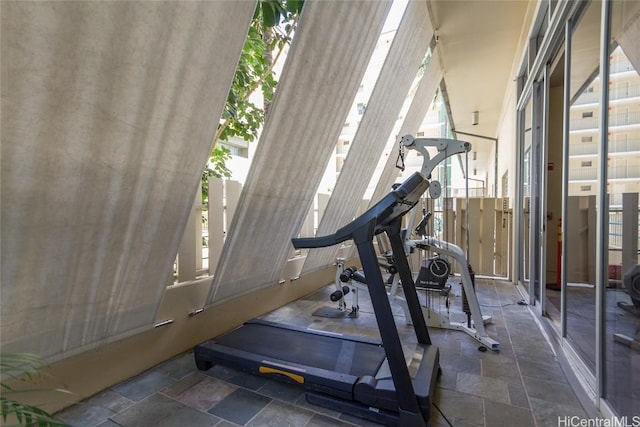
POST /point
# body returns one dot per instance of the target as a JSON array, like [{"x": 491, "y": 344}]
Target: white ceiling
[{"x": 479, "y": 42}]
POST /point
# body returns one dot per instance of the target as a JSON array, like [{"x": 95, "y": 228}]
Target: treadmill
[{"x": 359, "y": 376}]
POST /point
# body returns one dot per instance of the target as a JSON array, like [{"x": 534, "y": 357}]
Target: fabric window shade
[
  {"x": 629, "y": 36},
  {"x": 415, "y": 115},
  {"x": 391, "y": 89},
  {"x": 108, "y": 115},
  {"x": 324, "y": 67},
  {"x": 418, "y": 108}
]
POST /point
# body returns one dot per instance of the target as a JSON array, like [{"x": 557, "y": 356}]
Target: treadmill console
[{"x": 395, "y": 204}]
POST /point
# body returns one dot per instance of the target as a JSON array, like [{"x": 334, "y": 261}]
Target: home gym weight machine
[
  {"x": 434, "y": 273},
  {"x": 631, "y": 282}
]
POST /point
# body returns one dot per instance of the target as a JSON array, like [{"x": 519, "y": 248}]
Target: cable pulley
[{"x": 400, "y": 158}]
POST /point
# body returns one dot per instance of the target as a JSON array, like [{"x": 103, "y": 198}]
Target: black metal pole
[
  {"x": 408, "y": 285},
  {"x": 405, "y": 392}
]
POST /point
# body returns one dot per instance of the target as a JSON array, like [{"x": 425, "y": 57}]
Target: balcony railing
[
  {"x": 342, "y": 149},
  {"x": 624, "y": 92},
  {"x": 207, "y": 228},
  {"x": 624, "y": 172},
  {"x": 615, "y": 94},
  {"x": 591, "y": 148},
  {"x": 621, "y": 119},
  {"x": 620, "y": 66},
  {"x": 613, "y": 172},
  {"x": 616, "y": 229},
  {"x": 587, "y": 98},
  {"x": 583, "y": 174},
  {"x": 473, "y": 192},
  {"x": 583, "y": 148}
]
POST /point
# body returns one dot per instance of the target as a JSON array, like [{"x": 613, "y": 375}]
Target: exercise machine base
[
  {"x": 335, "y": 313},
  {"x": 436, "y": 320},
  {"x": 365, "y": 412}
]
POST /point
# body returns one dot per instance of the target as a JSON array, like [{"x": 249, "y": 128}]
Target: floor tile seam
[
  {"x": 507, "y": 380},
  {"x": 264, "y": 408},
  {"x": 547, "y": 331},
  {"x": 85, "y": 402},
  {"x": 104, "y": 421},
  {"x": 475, "y": 396},
  {"x": 548, "y": 365},
  {"x": 261, "y": 393},
  {"x": 314, "y": 412},
  {"x": 110, "y": 417},
  {"x": 191, "y": 407},
  {"x": 114, "y": 413},
  {"x": 201, "y": 377},
  {"x": 293, "y": 404},
  {"x": 576, "y": 386},
  {"x": 484, "y": 410},
  {"x": 257, "y": 414},
  {"x": 158, "y": 369},
  {"x": 466, "y": 395},
  {"x": 551, "y": 382},
  {"x": 111, "y": 389},
  {"x": 578, "y": 404},
  {"x": 533, "y": 418},
  {"x": 98, "y": 422},
  {"x": 328, "y": 416},
  {"x": 442, "y": 414},
  {"x": 484, "y": 398},
  {"x": 539, "y": 325},
  {"x": 517, "y": 363}
]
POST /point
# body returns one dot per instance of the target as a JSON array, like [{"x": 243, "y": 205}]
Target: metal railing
[
  {"x": 615, "y": 120},
  {"x": 207, "y": 229},
  {"x": 613, "y": 172},
  {"x": 615, "y": 146},
  {"x": 615, "y": 94}
]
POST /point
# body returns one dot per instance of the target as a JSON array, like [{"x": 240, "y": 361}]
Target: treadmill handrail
[
  {"x": 320, "y": 241},
  {"x": 405, "y": 197}
]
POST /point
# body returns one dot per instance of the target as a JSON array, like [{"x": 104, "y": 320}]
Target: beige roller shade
[
  {"x": 108, "y": 114},
  {"x": 324, "y": 67}
]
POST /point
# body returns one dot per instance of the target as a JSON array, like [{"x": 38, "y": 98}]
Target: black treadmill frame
[{"x": 386, "y": 216}]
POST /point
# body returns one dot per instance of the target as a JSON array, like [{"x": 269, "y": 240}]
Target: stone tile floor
[{"x": 521, "y": 385}]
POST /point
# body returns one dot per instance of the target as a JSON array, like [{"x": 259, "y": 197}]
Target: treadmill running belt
[{"x": 324, "y": 352}]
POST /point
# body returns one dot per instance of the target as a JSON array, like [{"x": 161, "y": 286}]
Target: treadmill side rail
[
  {"x": 381, "y": 393},
  {"x": 313, "y": 379}
]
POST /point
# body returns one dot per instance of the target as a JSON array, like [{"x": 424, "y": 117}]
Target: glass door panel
[
  {"x": 580, "y": 218},
  {"x": 526, "y": 196},
  {"x": 622, "y": 293},
  {"x": 536, "y": 203}
]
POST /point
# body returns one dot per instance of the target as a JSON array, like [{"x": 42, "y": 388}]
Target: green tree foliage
[
  {"x": 271, "y": 29},
  {"x": 23, "y": 368},
  {"x": 216, "y": 168},
  {"x": 241, "y": 116}
]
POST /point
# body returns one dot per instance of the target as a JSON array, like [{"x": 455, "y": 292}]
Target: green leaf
[
  {"x": 294, "y": 6},
  {"x": 24, "y": 367},
  {"x": 270, "y": 16},
  {"x": 241, "y": 118},
  {"x": 27, "y": 415}
]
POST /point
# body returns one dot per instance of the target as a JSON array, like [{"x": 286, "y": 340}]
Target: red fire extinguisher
[{"x": 559, "y": 267}]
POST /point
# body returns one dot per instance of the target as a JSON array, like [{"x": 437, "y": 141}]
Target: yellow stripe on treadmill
[{"x": 267, "y": 370}]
